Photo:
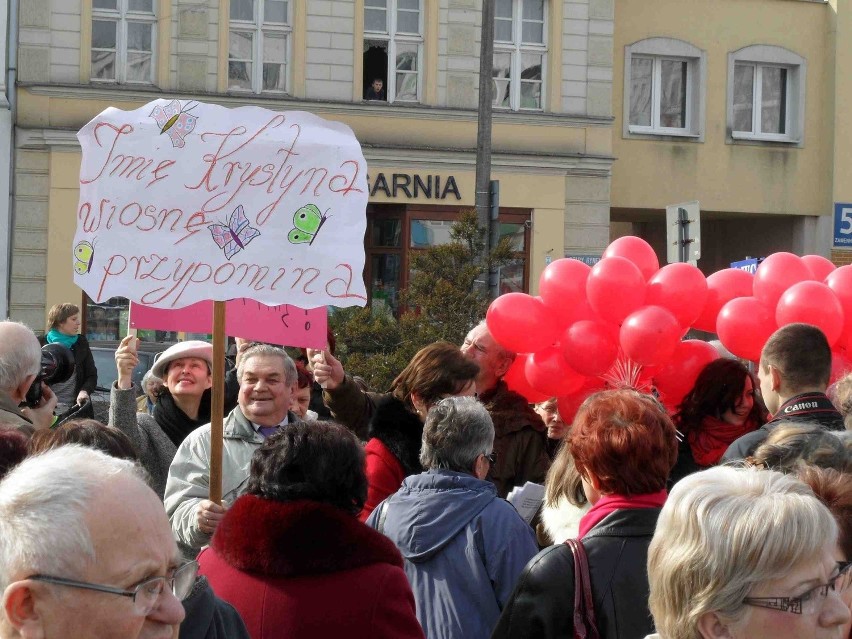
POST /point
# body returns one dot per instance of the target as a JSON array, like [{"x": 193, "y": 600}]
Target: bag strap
[
  {"x": 585, "y": 624},
  {"x": 380, "y": 520}
]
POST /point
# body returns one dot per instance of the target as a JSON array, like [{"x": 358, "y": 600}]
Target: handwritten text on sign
[
  {"x": 284, "y": 324},
  {"x": 184, "y": 201}
]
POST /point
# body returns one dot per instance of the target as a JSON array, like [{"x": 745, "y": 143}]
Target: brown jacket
[
  {"x": 352, "y": 407},
  {"x": 10, "y": 414},
  {"x": 520, "y": 440}
]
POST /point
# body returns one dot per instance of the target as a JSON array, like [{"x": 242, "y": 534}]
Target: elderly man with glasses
[{"x": 86, "y": 551}]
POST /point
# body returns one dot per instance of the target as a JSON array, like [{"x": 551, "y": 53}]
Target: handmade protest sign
[
  {"x": 182, "y": 201},
  {"x": 283, "y": 324}
]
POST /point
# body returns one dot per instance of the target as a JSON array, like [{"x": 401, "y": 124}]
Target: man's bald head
[{"x": 20, "y": 355}]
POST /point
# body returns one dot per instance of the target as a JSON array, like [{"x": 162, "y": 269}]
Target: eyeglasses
[
  {"x": 144, "y": 594},
  {"x": 492, "y": 458},
  {"x": 811, "y": 601}
]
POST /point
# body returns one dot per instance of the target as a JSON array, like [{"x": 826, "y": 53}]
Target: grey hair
[
  {"x": 19, "y": 357},
  {"x": 265, "y": 350},
  {"x": 721, "y": 532},
  {"x": 502, "y": 350},
  {"x": 150, "y": 377},
  {"x": 43, "y": 506},
  {"x": 457, "y": 431}
]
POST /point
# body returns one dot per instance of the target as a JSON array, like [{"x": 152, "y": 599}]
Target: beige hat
[{"x": 194, "y": 348}]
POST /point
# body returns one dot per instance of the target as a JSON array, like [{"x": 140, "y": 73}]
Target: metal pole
[
  {"x": 682, "y": 221},
  {"x": 483, "y": 130},
  {"x": 494, "y": 236}
]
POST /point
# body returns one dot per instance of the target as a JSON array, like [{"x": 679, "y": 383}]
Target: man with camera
[{"x": 20, "y": 365}]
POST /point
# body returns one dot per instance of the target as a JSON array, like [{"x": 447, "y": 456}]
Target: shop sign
[
  {"x": 414, "y": 185},
  {"x": 182, "y": 201}
]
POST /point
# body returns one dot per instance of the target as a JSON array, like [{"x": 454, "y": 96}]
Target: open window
[{"x": 393, "y": 50}]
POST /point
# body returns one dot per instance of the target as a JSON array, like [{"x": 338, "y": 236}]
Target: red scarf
[
  {"x": 710, "y": 441},
  {"x": 611, "y": 503}
]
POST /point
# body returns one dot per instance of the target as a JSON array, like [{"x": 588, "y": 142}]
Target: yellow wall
[{"x": 767, "y": 178}]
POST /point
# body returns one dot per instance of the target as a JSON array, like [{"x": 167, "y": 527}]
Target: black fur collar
[{"x": 400, "y": 430}]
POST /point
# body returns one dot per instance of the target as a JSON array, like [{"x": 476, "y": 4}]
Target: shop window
[
  {"x": 258, "y": 45},
  {"x": 124, "y": 33},
  {"x": 766, "y": 95},
  {"x": 664, "y": 85},
  {"x": 520, "y": 54},
  {"x": 393, "y": 50}
]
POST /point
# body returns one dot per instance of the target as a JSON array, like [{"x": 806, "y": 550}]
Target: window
[
  {"x": 766, "y": 94},
  {"x": 663, "y": 88},
  {"x": 258, "y": 45},
  {"x": 520, "y": 54},
  {"x": 123, "y": 36},
  {"x": 393, "y": 33}
]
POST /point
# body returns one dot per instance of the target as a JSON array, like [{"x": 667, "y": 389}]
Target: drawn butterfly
[
  {"x": 308, "y": 221},
  {"x": 84, "y": 253},
  {"x": 234, "y": 237},
  {"x": 174, "y": 121}
]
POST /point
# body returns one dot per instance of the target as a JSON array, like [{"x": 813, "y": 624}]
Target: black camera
[{"x": 57, "y": 366}]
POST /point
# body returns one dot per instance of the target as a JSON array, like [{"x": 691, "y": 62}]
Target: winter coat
[
  {"x": 542, "y": 606},
  {"x": 520, "y": 440},
  {"x": 85, "y": 372},
  {"x": 393, "y": 451},
  {"x": 189, "y": 475},
  {"x": 352, "y": 407},
  {"x": 307, "y": 570},
  {"x": 463, "y": 548},
  {"x": 12, "y": 415},
  {"x": 208, "y": 617},
  {"x": 560, "y": 521},
  {"x": 806, "y": 408},
  {"x": 156, "y": 451}
]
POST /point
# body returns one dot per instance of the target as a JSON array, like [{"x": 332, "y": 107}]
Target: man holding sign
[{"x": 266, "y": 375}]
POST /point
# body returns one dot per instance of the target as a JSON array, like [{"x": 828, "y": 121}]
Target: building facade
[
  {"x": 739, "y": 104},
  {"x": 552, "y": 125}
]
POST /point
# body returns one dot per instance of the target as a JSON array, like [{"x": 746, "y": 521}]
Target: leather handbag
[{"x": 585, "y": 625}]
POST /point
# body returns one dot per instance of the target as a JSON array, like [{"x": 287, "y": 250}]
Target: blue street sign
[
  {"x": 591, "y": 260},
  {"x": 843, "y": 224},
  {"x": 749, "y": 265}
]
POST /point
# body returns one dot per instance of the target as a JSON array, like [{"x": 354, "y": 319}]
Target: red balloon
[
  {"x": 681, "y": 288},
  {"x": 516, "y": 380},
  {"x": 615, "y": 288},
  {"x": 819, "y": 266},
  {"x": 650, "y": 335},
  {"x": 840, "y": 281},
  {"x": 637, "y": 251},
  {"x": 548, "y": 372},
  {"x": 589, "y": 347},
  {"x": 568, "y": 405},
  {"x": 776, "y": 274},
  {"x": 722, "y": 287},
  {"x": 812, "y": 303},
  {"x": 744, "y": 325},
  {"x": 676, "y": 379},
  {"x": 562, "y": 287},
  {"x": 521, "y": 323}
]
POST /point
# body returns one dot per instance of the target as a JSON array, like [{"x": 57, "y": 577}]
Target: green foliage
[{"x": 445, "y": 298}]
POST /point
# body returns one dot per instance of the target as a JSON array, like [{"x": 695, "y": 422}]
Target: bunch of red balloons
[{"x": 627, "y": 308}]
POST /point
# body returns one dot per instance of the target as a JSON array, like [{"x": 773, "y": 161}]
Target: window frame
[
  {"x": 660, "y": 49},
  {"x": 256, "y": 27},
  {"x": 393, "y": 39},
  {"x": 517, "y": 48},
  {"x": 122, "y": 15},
  {"x": 763, "y": 56}
]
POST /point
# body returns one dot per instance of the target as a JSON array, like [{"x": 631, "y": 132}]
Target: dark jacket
[
  {"x": 307, "y": 570},
  {"x": 85, "y": 373},
  {"x": 806, "y": 408},
  {"x": 463, "y": 548},
  {"x": 542, "y": 605},
  {"x": 208, "y": 617},
  {"x": 520, "y": 440}
]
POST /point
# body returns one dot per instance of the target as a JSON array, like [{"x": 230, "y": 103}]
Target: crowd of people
[{"x": 350, "y": 511}]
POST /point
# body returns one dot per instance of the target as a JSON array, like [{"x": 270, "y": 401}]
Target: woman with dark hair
[
  {"x": 290, "y": 554},
  {"x": 396, "y": 418},
  {"x": 13, "y": 448},
  {"x": 624, "y": 446},
  {"x": 86, "y": 432},
  {"x": 723, "y": 405},
  {"x": 64, "y": 328}
]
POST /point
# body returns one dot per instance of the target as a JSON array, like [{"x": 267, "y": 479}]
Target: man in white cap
[
  {"x": 266, "y": 375},
  {"x": 182, "y": 406}
]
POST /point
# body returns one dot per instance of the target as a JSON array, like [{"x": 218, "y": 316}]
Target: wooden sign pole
[{"x": 217, "y": 407}]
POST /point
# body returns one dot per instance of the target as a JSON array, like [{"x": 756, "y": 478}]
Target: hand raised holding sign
[
  {"x": 328, "y": 371},
  {"x": 126, "y": 360}
]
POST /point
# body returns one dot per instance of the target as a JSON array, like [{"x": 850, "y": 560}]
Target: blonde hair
[
  {"x": 721, "y": 532},
  {"x": 564, "y": 480}
]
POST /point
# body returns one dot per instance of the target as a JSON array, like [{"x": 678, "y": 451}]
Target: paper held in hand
[{"x": 526, "y": 499}]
